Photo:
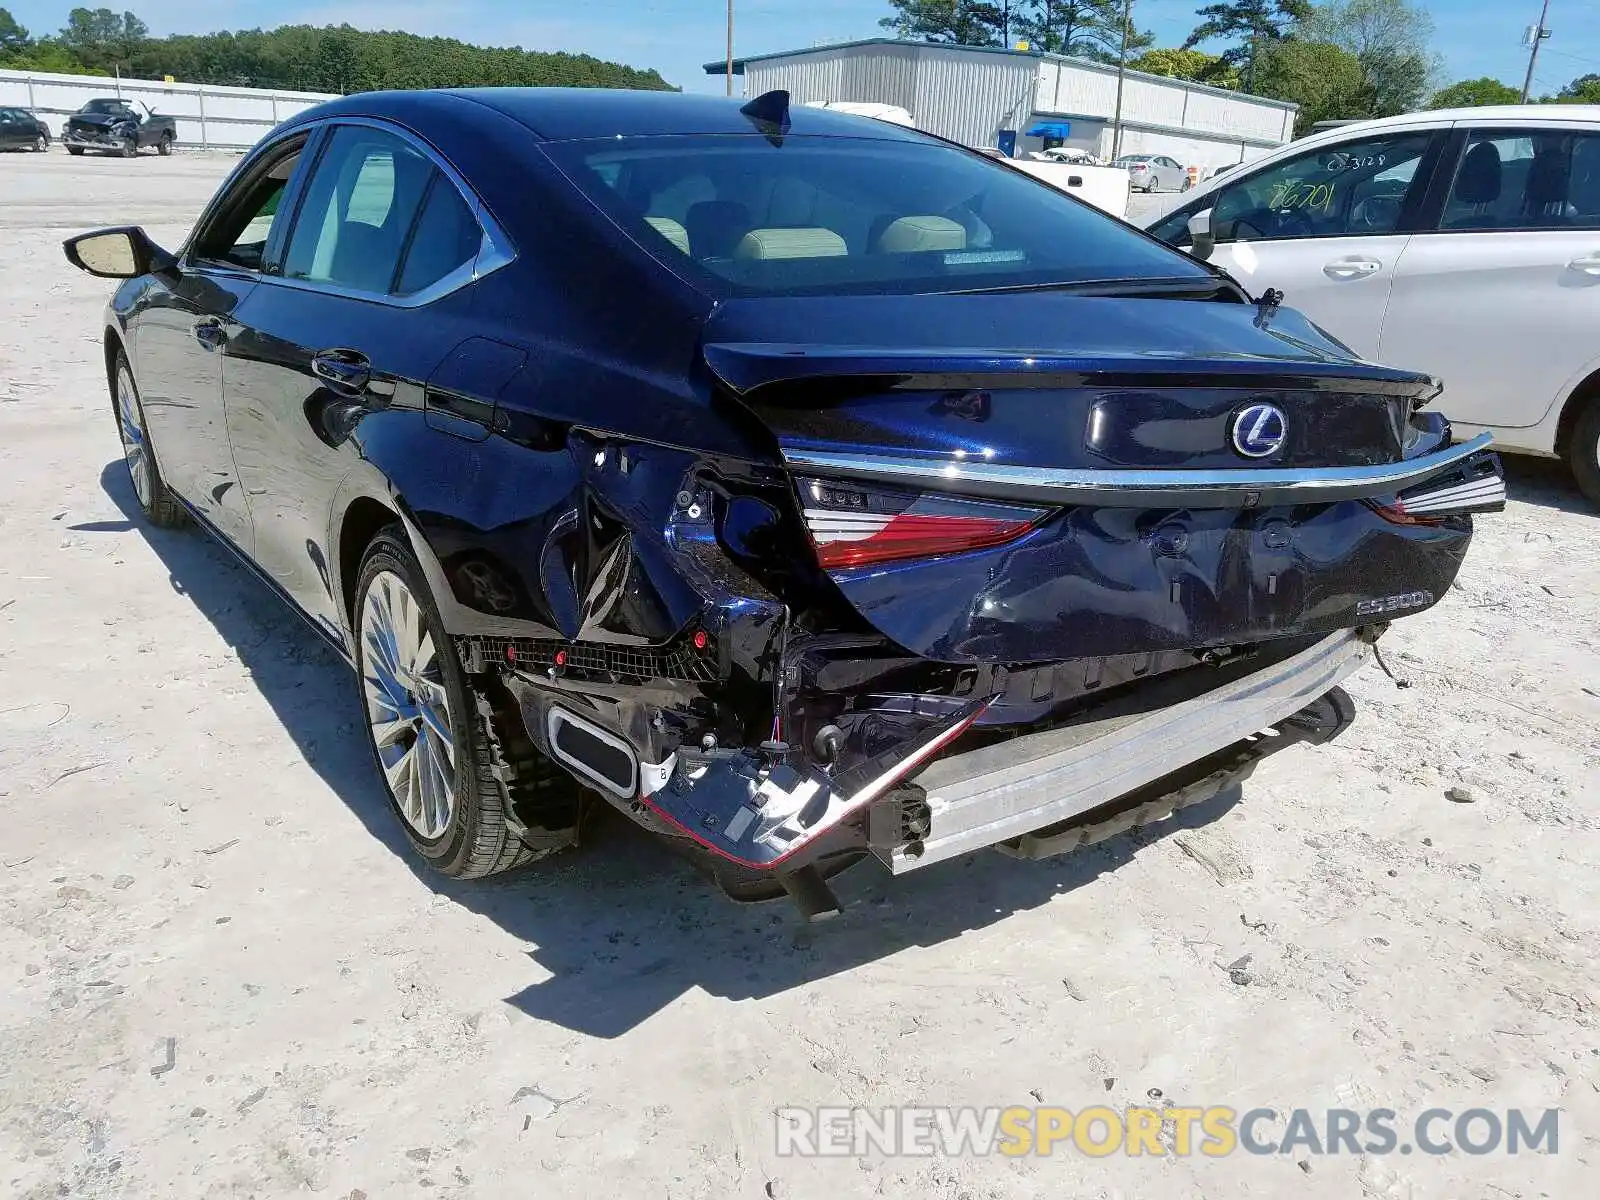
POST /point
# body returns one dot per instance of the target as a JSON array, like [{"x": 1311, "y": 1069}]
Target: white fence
[{"x": 208, "y": 117}]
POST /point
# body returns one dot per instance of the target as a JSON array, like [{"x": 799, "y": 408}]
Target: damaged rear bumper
[
  {"x": 774, "y": 811},
  {"x": 999, "y": 793}
]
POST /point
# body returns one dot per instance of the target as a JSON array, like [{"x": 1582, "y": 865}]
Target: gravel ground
[{"x": 225, "y": 978}]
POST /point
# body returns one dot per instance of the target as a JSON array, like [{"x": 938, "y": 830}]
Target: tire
[
  {"x": 130, "y": 145},
  {"x": 41, "y": 144},
  {"x": 75, "y": 151},
  {"x": 439, "y": 761},
  {"x": 1583, "y": 452},
  {"x": 164, "y": 146},
  {"x": 160, "y": 507}
]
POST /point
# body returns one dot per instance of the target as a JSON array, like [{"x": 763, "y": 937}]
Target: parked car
[
  {"x": 1465, "y": 242},
  {"x": 937, "y": 513},
  {"x": 116, "y": 127},
  {"x": 21, "y": 130},
  {"x": 1154, "y": 173}
]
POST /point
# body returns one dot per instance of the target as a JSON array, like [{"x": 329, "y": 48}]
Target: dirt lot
[{"x": 224, "y": 977}]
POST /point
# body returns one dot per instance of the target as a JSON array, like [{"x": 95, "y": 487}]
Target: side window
[
  {"x": 1528, "y": 179},
  {"x": 239, "y": 233},
  {"x": 358, "y": 209},
  {"x": 447, "y": 237},
  {"x": 1353, "y": 187}
]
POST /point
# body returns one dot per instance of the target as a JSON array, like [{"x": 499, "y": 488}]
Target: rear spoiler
[
  {"x": 1242, "y": 487},
  {"x": 744, "y": 366}
]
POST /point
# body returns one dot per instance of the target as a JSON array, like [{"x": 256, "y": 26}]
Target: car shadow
[
  {"x": 623, "y": 926},
  {"x": 1544, "y": 481}
]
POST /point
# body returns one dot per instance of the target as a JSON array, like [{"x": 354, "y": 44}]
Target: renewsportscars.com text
[{"x": 1213, "y": 1132}]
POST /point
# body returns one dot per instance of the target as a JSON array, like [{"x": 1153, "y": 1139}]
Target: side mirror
[
  {"x": 1201, "y": 242},
  {"x": 123, "y": 252}
]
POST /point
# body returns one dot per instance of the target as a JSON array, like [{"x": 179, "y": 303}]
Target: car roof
[
  {"x": 1589, "y": 113},
  {"x": 563, "y": 114}
]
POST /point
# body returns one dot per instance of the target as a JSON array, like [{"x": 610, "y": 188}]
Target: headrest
[
  {"x": 804, "y": 242},
  {"x": 910, "y": 234},
  {"x": 671, "y": 230},
  {"x": 1479, "y": 182}
]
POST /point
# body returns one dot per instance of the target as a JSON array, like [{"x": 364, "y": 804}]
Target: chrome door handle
[
  {"x": 1352, "y": 268},
  {"x": 1588, "y": 264},
  {"x": 346, "y": 371},
  {"x": 208, "y": 331}
]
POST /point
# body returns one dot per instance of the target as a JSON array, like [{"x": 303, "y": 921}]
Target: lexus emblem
[{"x": 1259, "y": 430}]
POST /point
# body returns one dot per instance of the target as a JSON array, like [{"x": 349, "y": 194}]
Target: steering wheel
[
  {"x": 1291, "y": 222},
  {"x": 1376, "y": 213}
]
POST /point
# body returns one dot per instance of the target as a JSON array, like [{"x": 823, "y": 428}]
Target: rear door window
[
  {"x": 446, "y": 240},
  {"x": 358, "y": 210},
  {"x": 1526, "y": 179}
]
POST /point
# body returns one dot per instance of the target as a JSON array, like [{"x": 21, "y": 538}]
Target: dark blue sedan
[{"x": 808, "y": 488}]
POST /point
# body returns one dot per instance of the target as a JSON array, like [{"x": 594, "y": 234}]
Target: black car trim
[{"x": 1233, "y": 488}]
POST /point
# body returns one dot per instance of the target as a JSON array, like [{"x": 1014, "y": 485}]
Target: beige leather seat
[
  {"x": 804, "y": 242},
  {"x": 671, "y": 230},
  {"x": 908, "y": 235}
]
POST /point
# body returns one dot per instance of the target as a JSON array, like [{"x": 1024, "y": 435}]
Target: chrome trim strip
[
  {"x": 1244, "y": 487},
  {"x": 1466, "y": 495},
  {"x": 1020, "y": 786}
]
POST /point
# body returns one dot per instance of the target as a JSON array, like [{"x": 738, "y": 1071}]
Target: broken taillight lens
[{"x": 856, "y": 526}]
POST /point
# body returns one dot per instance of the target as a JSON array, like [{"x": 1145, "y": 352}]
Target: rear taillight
[{"x": 856, "y": 526}]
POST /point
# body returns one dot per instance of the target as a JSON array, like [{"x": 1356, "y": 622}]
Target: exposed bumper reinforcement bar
[
  {"x": 1244, "y": 487},
  {"x": 1003, "y": 792}
]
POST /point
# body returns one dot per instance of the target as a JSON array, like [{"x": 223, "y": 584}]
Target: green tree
[
  {"x": 1083, "y": 28},
  {"x": 14, "y": 38},
  {"x": 1326, "y": 81},
  {"x": 959, "y": 22},
  {"x": 1250, "y": 26},
  {"x": 102, "y": 38},
  {"x": 1585, "y": 89},
  {"x": 1474, "y": 93},
  {"x": 343, "y": 59},
  {"x": 1392, "y": 41},
  {"x": 1194, "y": 65}
]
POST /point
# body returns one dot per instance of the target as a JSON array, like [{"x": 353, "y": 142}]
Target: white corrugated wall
[
  {"x": 971, "y": 95},
  {"x": 956, "y": 94},
  {"x": 207, "y": 117}
]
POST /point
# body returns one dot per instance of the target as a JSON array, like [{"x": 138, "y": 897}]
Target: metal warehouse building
[{"x": 984, "y": 96}]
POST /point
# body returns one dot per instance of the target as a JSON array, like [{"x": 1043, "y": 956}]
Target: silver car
[{"x": 1154, "y": 173}]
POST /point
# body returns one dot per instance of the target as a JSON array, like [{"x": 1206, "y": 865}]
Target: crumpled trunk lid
[{"x": 1197, "y": 474}]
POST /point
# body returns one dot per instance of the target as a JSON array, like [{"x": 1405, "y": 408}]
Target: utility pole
[
  {"x": 1540, "y": 32},
  {"x": 730, "y": 47},
  {"x": 1122, "y": 66}
]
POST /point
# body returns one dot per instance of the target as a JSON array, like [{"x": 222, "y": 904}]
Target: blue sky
[{"x": 1475, "y": 37}]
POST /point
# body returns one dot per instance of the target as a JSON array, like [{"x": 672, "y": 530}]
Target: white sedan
[
  {"x": 1463, "y": 242},
  {"x": 1154, "y": 172}
]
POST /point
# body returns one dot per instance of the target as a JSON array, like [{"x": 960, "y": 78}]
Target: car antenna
[{"x": 769, "y": 113}]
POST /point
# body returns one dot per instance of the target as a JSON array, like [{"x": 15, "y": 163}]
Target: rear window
[{"x": 828, "y": 216}]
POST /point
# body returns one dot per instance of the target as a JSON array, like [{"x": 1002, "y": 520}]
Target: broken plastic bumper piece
[{"x": 757, "y": 809}]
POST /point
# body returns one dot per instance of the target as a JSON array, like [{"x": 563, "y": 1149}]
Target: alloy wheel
[
  {"x": 408, "y": 708},
  {"x": 135, "y": 445}
]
